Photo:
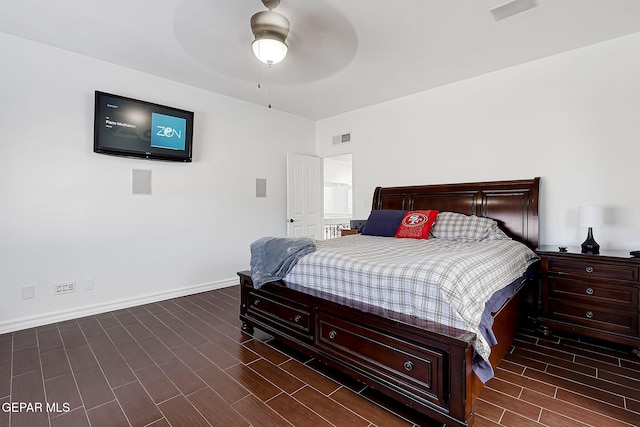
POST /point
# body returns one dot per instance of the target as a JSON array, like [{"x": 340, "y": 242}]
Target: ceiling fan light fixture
[
  {"x": 270, "y": 30},
  {"x": 269, "y": 51}
]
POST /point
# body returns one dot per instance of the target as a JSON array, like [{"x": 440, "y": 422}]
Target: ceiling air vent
[
  {"x": 512, "y": 8},
  {"x": 342, "y": 139}
]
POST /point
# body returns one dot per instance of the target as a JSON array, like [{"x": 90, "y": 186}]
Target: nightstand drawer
[
  {"x": 589, "y": 269},
  {"x": 621, "y": 321},
  {"x": 593, "y": 292}
]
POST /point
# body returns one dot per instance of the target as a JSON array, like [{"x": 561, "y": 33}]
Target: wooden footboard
[{"x": 424, "y": 365}]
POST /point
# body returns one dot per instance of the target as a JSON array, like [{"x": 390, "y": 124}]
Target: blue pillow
[{"x": 383, "y": 222}]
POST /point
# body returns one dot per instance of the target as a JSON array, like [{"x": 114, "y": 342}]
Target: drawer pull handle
[
  {"x": 589, "y": 291},
  {"x": 333, "y": 334},
  {"x": 589, "y": 314},
  {"x": 297, "y": 319},
  {"x": 589, "y": 269},
  {"x": 256, "y": 302},
  {"x": 408, "y": 365}
]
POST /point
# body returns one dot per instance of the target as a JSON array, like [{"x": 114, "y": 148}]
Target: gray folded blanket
[{"x": 273, "y": 257}]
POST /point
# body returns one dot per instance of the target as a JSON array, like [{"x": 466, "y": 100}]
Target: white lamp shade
[
  {"x": 591, "y": 216},
  {"x": 269, "y": 51}
]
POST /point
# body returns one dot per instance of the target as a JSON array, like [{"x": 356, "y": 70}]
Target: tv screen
[{"x": 133, "y": 128}]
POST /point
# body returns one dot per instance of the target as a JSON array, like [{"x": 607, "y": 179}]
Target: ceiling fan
[
  {"x": 270, "y": 30},
  {"x": 319, "y": 42}
]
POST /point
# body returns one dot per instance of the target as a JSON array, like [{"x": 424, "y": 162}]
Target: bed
[{"x": 421, "y": 363}]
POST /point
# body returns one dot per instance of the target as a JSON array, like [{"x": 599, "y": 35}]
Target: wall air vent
[
  {"x": 342, "y": 139},
  {"x": 511, "y": 8}
]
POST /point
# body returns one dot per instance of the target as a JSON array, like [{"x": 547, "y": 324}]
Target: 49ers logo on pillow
[
  {"x": 415, "y": 219},
  {"x": 417, "y": 224}
]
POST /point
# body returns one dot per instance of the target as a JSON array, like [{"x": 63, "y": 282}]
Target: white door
[{"x": 304, "y": 196}]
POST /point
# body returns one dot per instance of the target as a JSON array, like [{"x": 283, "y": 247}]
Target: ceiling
[{"x": 343, "y": 54}]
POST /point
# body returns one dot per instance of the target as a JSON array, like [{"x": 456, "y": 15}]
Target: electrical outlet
[{"x": 64, "y": 288}]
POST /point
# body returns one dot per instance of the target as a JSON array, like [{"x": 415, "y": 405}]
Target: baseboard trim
[{"x": 60, "y": 316}]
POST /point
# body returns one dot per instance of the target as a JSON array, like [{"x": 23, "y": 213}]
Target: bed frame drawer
[
  {"x": 415, "y": 369},
  {"x": 293, "y": 316}
]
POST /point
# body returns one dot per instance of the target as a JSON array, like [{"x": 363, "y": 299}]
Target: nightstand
[
  {"x": 593, "y": 295},
  {"x": 347, "y": 231}
]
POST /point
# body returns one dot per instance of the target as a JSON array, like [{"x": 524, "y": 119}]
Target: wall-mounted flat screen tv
[{"x": 132, "y": 128}]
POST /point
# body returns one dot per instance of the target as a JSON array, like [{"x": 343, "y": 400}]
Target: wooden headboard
[{"x": 514, "y": 204}]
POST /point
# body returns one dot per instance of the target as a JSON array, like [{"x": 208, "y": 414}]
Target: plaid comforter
[{"x": 445, "y": 281}]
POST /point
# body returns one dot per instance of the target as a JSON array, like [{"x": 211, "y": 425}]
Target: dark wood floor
[{"x": 185, "y": 362}]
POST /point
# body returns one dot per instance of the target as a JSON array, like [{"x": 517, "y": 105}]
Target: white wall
[
  {"x": 572, "y": 119},
  {"x": 68, "y": 214}
]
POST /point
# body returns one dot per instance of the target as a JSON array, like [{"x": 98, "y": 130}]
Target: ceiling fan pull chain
[
  {"x": 259, "y": 74},
  {"x": 269, "y": 85}
]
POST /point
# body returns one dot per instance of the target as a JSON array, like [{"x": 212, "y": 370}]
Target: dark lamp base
[{"x": 590, "y": 246}]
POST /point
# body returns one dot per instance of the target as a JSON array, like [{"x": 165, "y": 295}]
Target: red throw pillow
[{"x": 417, "y": 224}]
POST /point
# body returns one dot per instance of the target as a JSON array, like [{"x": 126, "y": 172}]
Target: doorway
[{"x": 338, "y": 194}]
